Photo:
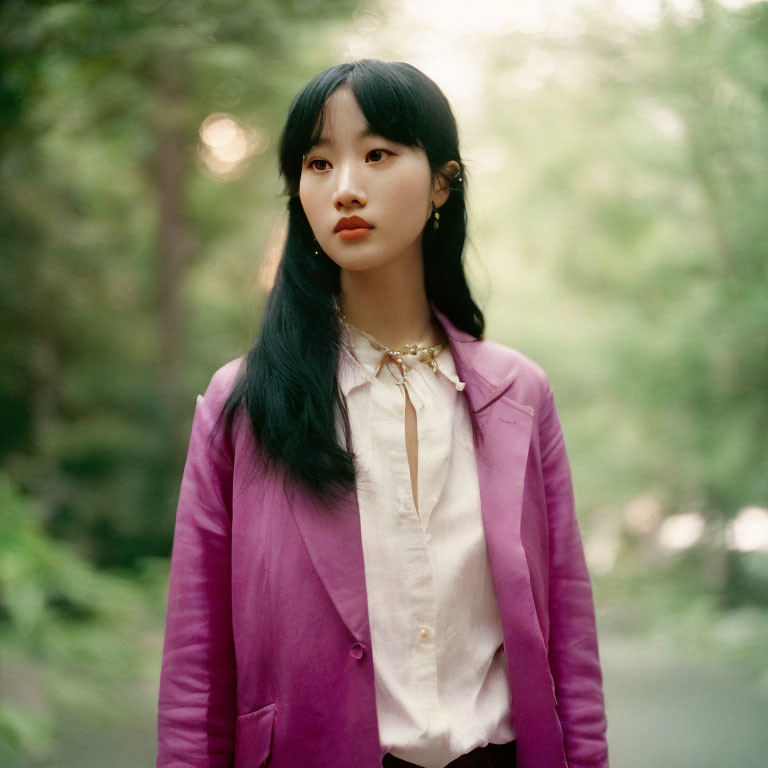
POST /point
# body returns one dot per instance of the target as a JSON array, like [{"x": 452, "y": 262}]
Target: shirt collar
[{"x": 358, "y": 361}]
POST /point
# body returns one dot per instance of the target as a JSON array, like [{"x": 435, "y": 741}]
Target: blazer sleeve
[
  {"x": 197, "y": 705},
  {"x": 573, "y": 649}
]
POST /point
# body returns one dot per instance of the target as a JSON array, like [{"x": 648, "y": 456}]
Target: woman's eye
[
  {"x": 378, "y": 152},
  {"x": 375, "y": 155}
]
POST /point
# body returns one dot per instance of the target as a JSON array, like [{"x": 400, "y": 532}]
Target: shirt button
[{"x": 424, "y": 631}]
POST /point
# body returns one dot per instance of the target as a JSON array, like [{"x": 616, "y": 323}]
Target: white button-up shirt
[{"x": 437, "y": 643}]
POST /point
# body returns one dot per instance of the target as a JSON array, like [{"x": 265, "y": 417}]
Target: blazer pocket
[{"x": 253, "y": 737}]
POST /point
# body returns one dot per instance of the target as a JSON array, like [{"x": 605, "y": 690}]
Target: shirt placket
[
  {"x": 435, "y": 438},
  {"x": 420, "y": 617}
]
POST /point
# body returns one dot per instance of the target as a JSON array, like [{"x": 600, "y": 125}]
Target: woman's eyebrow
[{"x": 365, "y": 133}]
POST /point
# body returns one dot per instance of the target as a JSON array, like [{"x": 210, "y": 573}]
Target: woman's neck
[{"x": 393, "y": 308}]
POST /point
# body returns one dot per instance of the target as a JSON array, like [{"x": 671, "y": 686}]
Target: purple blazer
[{"x": 267, "y": 657}]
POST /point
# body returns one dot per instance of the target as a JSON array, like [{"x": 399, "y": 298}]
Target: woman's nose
[{"x": 349, "y": 189}]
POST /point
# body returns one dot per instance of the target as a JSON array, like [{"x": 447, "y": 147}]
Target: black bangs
[{"x": 388, "y": 107}]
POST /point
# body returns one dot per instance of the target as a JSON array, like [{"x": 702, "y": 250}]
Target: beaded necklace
[{"x": 424, "y": 353}]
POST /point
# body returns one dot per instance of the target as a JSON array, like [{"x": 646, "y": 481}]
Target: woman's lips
[{"x": 354, "y": 234}]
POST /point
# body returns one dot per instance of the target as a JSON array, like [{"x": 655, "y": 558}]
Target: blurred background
[{"x": 618, "y": 200}]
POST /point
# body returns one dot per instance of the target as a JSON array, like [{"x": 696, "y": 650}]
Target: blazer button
[{"x": 356, "y": 651}]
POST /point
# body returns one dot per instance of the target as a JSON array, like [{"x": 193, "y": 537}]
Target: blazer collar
[{"x": 475, "y": 366}]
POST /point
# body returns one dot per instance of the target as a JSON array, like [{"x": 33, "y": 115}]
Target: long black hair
[{"x": 289, "y": 385}]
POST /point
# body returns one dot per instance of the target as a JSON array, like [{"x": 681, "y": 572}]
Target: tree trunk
[{"x": 173, "y": 237}]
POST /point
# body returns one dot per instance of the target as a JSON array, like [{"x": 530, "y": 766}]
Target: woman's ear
[{"x": 444, "y": 182}]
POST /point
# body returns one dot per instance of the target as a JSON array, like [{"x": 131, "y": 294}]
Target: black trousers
[{"x": 490, "y": 756}]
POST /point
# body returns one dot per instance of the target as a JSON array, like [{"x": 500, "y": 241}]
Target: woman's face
[{"x": 386, "y": 184}]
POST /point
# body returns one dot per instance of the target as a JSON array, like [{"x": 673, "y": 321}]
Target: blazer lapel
[
  {"x": 502, "y": 460},
  {"x": 332, "y": 535}
]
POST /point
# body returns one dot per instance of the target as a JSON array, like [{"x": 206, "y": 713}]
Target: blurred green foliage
[{"x": 70, "y": 635}]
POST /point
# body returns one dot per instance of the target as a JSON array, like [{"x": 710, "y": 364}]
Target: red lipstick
[
  {"x": 354, "y": 234},
  {"x": 352, "y": 228}
]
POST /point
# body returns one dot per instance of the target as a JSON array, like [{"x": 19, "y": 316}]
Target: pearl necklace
[{"x": 424, "y": 353}]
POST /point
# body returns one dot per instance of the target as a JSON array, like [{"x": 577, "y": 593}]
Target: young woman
[{"x": 376, "y": 559}]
